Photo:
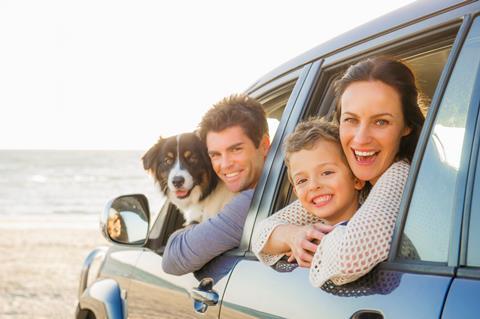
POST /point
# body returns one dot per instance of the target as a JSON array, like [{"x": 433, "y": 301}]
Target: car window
[
  {"x": 274, "y": 104},
  {"x": 427, "y": 66},
  {"x": 431, "y": 208}
]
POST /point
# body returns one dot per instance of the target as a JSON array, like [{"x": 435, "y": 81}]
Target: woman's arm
[
  {"x": 351, "y": 251},
  {"x": 274, "y": 235}
]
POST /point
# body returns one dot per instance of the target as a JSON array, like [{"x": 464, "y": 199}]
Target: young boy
[{"x": 325, "y": 187}]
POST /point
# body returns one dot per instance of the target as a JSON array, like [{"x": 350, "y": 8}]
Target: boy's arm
[
  {"x": 269, "y": 243},
  {"x": 189, "y": 249}
]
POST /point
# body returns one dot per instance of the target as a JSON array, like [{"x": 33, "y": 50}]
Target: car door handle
[
  {"x": 208, "y": 297},
  {"x": 367, "y": 314},
  {"x": 204, "y": 295}
]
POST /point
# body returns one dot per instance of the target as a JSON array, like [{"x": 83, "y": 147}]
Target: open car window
[{"x": 427, "y": 65}]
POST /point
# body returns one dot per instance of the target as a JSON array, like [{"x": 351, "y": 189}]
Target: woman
[{"x": 379, "y": 122}]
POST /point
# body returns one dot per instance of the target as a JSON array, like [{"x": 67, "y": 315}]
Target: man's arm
[{"x": 189, "y": 249}]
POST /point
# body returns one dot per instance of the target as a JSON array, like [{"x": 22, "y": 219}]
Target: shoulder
[
  {"x": 402, "y": 166},
  {"x": 242, "y": 198},
  {"x": 246, "y": 194},
  {"x": 397, "y": 171},
  {"x": 238, "y": 205}
]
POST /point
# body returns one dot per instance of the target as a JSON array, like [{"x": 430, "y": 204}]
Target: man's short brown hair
[
  {"x": 307, "y": 134},
  {"x": 236, "y": 109}
]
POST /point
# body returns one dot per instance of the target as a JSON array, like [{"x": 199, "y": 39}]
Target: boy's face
[{"x": 324, "y": 183}]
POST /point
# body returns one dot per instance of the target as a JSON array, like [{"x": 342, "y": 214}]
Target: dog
[{"x": 181, "y": 166}]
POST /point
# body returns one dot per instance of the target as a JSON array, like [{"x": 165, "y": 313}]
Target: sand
[{"x": 40, "y": 263}]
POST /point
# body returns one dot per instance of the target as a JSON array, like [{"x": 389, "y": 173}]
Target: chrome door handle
[
  {"x": 208, "y": 297},
  {"x": 204, "y": 295}
]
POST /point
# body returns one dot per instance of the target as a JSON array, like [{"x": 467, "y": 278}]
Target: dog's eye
[
  {"x": 187, "y": 154},
  {"x": 192, "y": 159},
  {"x": 168, "y": 161}
]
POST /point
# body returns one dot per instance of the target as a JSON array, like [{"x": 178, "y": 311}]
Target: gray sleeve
[{"x": 189, "y": 249}]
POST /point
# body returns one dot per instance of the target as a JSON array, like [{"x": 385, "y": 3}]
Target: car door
[
  {"x": 152, "y": 293},
  {"x": 400, "y": 287}
]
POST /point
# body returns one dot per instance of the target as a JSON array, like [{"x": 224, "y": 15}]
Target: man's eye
[
  {"x": 326, "y": 173},
  {"x": 237, "y": 149},
  {"x": 213, "y": 155}
]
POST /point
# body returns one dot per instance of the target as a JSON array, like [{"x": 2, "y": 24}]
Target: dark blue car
[{"x": 440, "y": 41}]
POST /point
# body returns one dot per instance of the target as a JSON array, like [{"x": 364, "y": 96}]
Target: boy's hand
[{"x": 304, "y": 241}]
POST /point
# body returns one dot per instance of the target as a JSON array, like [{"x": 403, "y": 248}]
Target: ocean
[{"x": 41, "y": 183}]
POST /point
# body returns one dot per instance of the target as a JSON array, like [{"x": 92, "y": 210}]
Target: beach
[
  {"x": 50, "y": 203},
  {"x": 41, "y": 261}
]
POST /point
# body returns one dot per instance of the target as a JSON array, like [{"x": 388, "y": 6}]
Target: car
[{"x": 440, "y": 209}]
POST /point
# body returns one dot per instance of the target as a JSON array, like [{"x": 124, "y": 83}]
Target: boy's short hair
[
  {"x": 307, "y": 134},
  {"x": 236, "y": 109}
]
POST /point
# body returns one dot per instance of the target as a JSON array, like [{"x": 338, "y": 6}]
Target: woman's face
[{"x": 371, "y": 127}]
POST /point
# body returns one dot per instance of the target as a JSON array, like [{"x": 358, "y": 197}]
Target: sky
[{"x": 101, "y": 74}]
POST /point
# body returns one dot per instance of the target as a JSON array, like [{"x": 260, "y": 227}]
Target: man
[{"x": 235, "y": 131}]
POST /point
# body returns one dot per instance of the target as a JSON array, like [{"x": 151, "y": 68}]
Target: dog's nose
[{"x": 178, "y": 181}]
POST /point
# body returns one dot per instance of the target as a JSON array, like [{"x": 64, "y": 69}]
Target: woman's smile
[{"x": 365, "y": 157}]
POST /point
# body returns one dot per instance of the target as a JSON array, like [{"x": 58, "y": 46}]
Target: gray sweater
[{"x": 189, "y": 249}]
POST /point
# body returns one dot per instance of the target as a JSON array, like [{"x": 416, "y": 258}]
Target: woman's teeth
[
  {"x": 360, "y": 153},
  {"x": 364, "y": 155}
]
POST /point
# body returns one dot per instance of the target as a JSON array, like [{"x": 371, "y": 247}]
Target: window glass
[
  {"x": 274, "y": 104},
  {"x": 431, "y": 207}
]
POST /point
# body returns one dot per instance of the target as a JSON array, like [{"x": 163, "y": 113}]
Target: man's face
[{"x": 235, "y": 158}]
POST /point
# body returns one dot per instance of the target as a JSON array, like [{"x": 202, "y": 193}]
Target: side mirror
[{"x": 125, "y": 220}]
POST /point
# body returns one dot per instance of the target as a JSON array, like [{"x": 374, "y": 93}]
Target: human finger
[
  {"x": 304, "y": 256},
  {"x": 323, "y": 227},
  {"x": 314, "y": 234},
  {"x": 304, "y": 264},
  {"x": 308, "y": 246}
]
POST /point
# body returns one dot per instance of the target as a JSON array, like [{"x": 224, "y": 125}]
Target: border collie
[{"x": 181, "y": 166}]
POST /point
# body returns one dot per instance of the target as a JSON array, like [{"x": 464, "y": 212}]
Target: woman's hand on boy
[{"x": 304, "y": 240}]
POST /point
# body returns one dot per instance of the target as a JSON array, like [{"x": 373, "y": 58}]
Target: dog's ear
[{"x": 150, "y": 158}]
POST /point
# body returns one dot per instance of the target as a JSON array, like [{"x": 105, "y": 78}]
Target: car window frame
[
  {"x": 452, "y": 262},
  {"x": 263, "y": 195},
  {"x": 464, "y": 270},
  {"x": 302, "y": 76}
]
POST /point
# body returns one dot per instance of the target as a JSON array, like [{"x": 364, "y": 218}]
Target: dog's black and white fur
[{"x": 181, "y": 166}]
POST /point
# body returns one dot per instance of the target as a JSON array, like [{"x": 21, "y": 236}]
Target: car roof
[{"x": 406, "y": 15}]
